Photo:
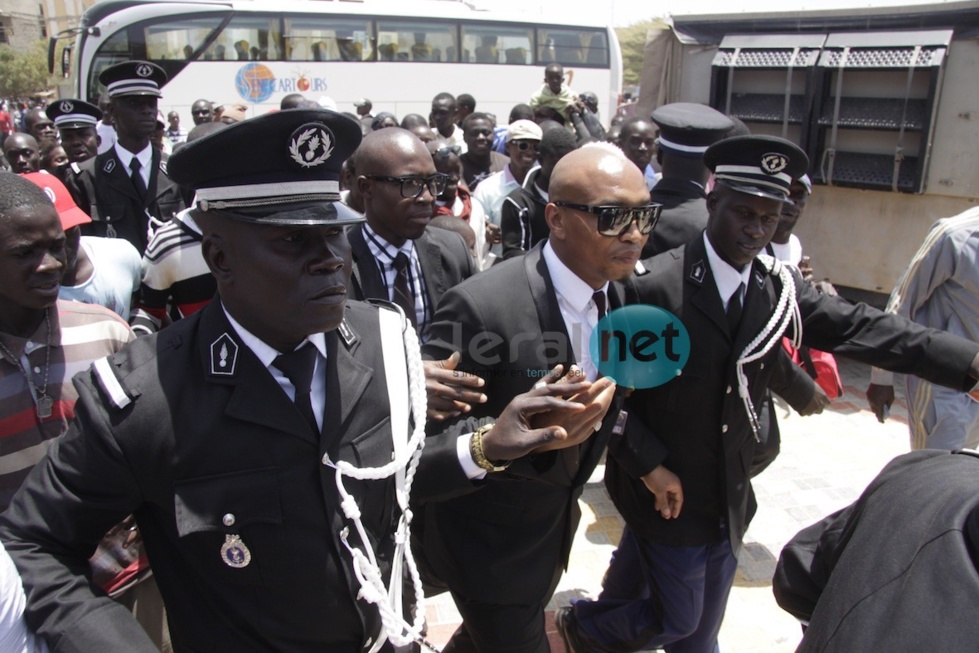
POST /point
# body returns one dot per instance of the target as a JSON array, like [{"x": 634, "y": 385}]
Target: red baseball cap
[{"x": 68, "y": 211}]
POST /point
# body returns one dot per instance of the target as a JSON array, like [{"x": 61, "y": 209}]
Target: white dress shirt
[
  {"x": 726, "y": 277},
  {"x": 145, "y": 161},
  {"x": 267, "y": 355}
]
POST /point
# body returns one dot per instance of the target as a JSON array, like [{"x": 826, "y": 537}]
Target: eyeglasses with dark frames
[
  {"x": 614, "y": 221},
  {"x": 523, "y": 145},
  {"x": 412, "y": 187}
]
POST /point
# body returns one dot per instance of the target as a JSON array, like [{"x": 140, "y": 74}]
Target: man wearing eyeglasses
[
  {"x": 501, "y": 547},
  {"x": 680, "y": 476},
  {"x": 522, "y": 145},
  {"x": 395, "y": 258}
]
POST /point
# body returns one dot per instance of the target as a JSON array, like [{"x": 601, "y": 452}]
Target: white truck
[{"x": 885, "y": 101}]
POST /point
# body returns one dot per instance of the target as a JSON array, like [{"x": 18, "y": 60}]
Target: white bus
[{"x": 400, "y": 56}]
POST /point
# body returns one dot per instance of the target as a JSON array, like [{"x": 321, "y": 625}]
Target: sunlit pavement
[{"x": 825, "y": 463}]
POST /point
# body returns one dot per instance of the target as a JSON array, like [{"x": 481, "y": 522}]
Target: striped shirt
[
  {"x": 80, "y": 335},
  {"x": 384, "y": 253},
  {"x": 174, "y": 271}
]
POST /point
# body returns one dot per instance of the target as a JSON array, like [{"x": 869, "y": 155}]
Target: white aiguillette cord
[
  {"x": 407, "y": 452},
  {"x": 786, "y": 313}
]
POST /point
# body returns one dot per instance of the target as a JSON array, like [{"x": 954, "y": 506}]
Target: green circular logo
[{"x": 640, "y": 346}]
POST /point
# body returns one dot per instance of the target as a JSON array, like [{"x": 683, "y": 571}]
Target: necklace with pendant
[{"x": 43, "y": 404}]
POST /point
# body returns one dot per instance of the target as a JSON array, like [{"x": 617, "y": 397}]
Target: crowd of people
[{"x": 212, "y": 436}]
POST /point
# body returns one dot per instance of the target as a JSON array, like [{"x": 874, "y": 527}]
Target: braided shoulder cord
[
  {"x": 786, "y": 313},
  {"x": 366, "y": 569}
]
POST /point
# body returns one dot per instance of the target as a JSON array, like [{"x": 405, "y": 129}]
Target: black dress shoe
[{"x": 568, "y": 628}]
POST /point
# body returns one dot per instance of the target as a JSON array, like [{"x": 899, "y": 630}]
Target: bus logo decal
[{"x": 311, "y": 145}]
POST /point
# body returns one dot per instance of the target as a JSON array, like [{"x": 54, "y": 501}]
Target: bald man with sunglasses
[{"x": 501, "y": 547}]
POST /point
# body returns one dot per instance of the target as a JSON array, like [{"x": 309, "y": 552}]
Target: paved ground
[{"x": 825, "y": 463}]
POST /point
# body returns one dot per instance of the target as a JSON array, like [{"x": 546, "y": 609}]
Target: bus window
[
  {"x": 571, "y": 47},
  {"x": 116, "y": 49},
  {"x": 248, "y": 39},
  {"x": 408, "y": 40},
  {"x": 178, "y": 39},
  {"x": 497, "y": 44},
  {"x": 327, "y": 38}
]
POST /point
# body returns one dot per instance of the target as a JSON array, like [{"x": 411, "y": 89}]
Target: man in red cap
[
  {"x": 103, "y": 271},
  {"x": 44, "y": 341}
]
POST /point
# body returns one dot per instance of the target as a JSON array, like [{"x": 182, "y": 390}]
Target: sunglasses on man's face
[
  {"x": 614, "y": 221},
  {"x": 524, "y": 145}
]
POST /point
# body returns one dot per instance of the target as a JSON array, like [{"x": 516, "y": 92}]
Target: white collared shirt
[
  {"x": 726, "y": 277},
  {"x": 574, "y": 298},
  {"x": 145, "y": 161},
  {"x": 267, "y": 355}
]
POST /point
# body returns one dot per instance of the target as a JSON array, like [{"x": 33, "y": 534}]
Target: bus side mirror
[{"x": 66, "y": 61}]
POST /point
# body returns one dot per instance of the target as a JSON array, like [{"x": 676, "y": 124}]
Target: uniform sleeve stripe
[{"x": 110, "y": 384}]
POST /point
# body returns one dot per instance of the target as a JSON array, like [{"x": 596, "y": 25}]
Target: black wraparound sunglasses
[{"x": 615, "y": 220}]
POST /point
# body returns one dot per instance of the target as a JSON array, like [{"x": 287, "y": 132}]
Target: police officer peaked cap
[
  {"x": 280, "y": 168},
  {"x": 687, "y": 129},
  {"x": 133, "y": 78},
  {"x": 73, "y": 114},
  {"x": 757, "y": 165}
]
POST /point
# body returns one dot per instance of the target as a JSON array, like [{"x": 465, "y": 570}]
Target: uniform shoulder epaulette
[
  {"x": 75, "y": 167},
  {"x": 110, "y": 385},
  {"x": 640, "y": 269}
]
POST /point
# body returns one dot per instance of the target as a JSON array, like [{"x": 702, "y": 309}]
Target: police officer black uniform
[
  {"x": 191, "y": 429},
  {"x": 680, "y": 475},
  {"x": 127, "y": 200},
  {"x": 686, "y": 130}
]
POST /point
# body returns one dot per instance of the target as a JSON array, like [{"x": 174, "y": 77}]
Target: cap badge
[
  {"x": 144, "y": 70},
  {"x": 311, "y": 145},
  {"x": 66, "y": 107},
  {"x": 774, "y": 163}
]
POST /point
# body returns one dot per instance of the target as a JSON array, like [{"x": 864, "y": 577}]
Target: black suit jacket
[
  {"x": 209, "y": 433},
  {"x": 443, "y": 255},
  {"x": 683, "y": 218},
  {"x": 102, "y": 187},
  {"x": 897, "y": 569},
  {"x": 697, "y": 426},
  {"x": 505, "y": 539}
]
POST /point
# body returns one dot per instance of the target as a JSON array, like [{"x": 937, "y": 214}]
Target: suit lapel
[
  {"x": 342, "y": 396},
  {"x": 365, "y": 274},
  {"x": 152, "y": 190},
  {"x": 758, "y": 309},
  {"x": 114, "y": 175},
  {"x": 703, "y": 291},
  {"x": 256, "y": 396},
  {"x": 431, "y": 261},
  {"x": 545, "y": 300}
]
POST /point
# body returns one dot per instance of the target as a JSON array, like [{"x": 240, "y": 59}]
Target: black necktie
[
  {"x": 734, "y": 309},
  {"x": 600, "y": 303},
  {"x": 137, "y": 179},
  {"x": 403, "y": 296},
  {"x": 298, "y": 367}
]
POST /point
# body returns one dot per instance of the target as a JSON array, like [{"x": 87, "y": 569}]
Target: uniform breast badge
[{"x": 234, "y": 553}]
